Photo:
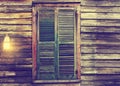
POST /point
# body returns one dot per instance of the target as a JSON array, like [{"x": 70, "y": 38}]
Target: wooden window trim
[
  {"x": 78, "y": 52},
  {"x": 56, "y": 81},
  {"x": 34, "y": 43},
  {"x": 56, "y": 1}
]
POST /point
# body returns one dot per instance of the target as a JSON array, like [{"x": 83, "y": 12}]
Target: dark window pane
[{"x": 46, "y": 24}]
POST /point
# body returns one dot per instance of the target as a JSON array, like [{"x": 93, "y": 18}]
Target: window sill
[
  {"x": 56, "y": 81},
  {"x": 48, "y": 1}
]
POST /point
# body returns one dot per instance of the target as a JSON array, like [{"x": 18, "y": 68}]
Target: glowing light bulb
[{"x": 7, "y": 44}]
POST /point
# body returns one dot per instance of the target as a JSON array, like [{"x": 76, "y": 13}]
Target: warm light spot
[{"x": 7, "y": 44}]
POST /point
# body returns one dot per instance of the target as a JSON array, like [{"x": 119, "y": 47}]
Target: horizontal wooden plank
[
  {"x": 15, "y": 9},
  {"x": 100, "y": 50},
  {"x": 101, "y": 77},
  {"x": 15, "y": 74},
  {"x": 26, "y": 21},
  {"x": 17, "y": 34},
  {"x": 14, "y": 2},
  {"x": 20, "y": 61},
  {"x": 19, "y": 45},
  {"x": 100, "y": 71},
  {"x": 20, "y": 54},
  {"x": 100, "y": 15},
  {"x": 8, "y": 67},
  {"x": 100, "y": 83},
  {"x": 98, "y": 42},
  {"x": 15, "y": 15},
  {"x": 100, "y": 56},
  {"x": 18, "y": 41},
  {"x": 100, "y": 22},
  {"x": 102, "y": 37},
  {"x": 25, "y": 44},
  {"x": 22, "y": 46},
  {"x": 102, "y": 64},
  {"x": 98, "y": 9},
  {"x": 16, "y": 80},
  {"x": 102, "y": 46},
  {"x": 15, "y": 28},
  {"x": 101, "y": 29},
  {"x": 100, "y": 2},
  {"x": 15, "y": 84}
]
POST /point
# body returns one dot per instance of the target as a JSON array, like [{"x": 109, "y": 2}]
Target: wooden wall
[
  {"x": 15, "y": 21},
  {"x": 100, "y": 42}
]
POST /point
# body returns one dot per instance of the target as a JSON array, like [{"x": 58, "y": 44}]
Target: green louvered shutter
[
  {"x": 56, "y": 44},
  {"x": 66, "y": 42},
  {"x": 46, "y": 44}
]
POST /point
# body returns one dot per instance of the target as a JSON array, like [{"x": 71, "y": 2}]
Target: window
[{"x": 56, "y": 42}]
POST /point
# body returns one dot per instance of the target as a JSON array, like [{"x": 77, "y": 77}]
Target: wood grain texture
[
  {"x": 34, "y": 41},
  {"x": 26, "y": 21},
  {"x": 78, "y": 44},
  {"x": 16, "y": 2},
  {"x": 17, "y": 34},
  {"x": 101, "y": 64},
  {"x": 100, "y": 43},
  {"x": 100, "y": 16},
  {"x": 100, "y": 9},
  {"x": 8, "y": 67},
  {"x": 100, "y": 37},
  {"x": 102, "y": 29},
  {"x": 15, "y": 28},
  {"x": 15, "y": 79},
  {"x": 100, "y": 57},
  {"x": 98, "y": 50},
  {"x": 26, "y": 61},
  {"x": 15, "y": 73},
  {"x": 53, "y": 1},
  {"x": 101, "y": 70},
  {"x": 15, "y": 15},
  {"x": 15, "y": 20},
  {"x": 15, "y": 9},
  {"x": 101, "y": 78},
  {"x": 16, "y": 84},
  {"x": 100, "y": 3},
  {"x": 100, "y": 83},
  {"x": 100, "y": 22}
]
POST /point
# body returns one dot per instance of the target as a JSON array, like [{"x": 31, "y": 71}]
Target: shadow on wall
[
  {"x": 108, "y": 66},
  {"x": 15, "y": 64}
]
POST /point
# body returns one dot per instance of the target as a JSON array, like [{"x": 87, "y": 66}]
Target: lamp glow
[{"x": 7, "y": 44}]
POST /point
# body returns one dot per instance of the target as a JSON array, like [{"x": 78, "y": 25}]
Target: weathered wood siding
[
  {"x": 15, "y": 21},
  {"x": 100, "y": 42}
]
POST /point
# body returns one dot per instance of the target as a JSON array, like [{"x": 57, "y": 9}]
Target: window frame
[{"x": 34, "y": 40}]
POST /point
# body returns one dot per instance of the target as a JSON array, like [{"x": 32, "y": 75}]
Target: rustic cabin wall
[
  {"x": 100, "y": 42},
  {"x": 15, "y": 34}
]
